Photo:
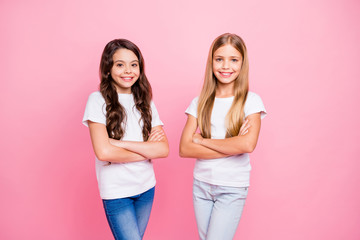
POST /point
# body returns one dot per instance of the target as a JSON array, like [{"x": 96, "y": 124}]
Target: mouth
[
  {"x": 225, "y": 74},
  {"x": 127, "y": 79}
]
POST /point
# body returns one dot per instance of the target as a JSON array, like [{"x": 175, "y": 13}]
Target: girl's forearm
[
  {"x": 229, "y": 146},
  {"x": 107, "y": 152},
  {"x": 238, "y": 144},
  {"x": 120, "y": 155},
  {"x": 193, "y": 150},
  {"x": 149, "y": 150}
]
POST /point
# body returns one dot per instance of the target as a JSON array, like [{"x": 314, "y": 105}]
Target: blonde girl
[
  {"x": 126, "y": 132},
  {"x": 229, "y": 118}
]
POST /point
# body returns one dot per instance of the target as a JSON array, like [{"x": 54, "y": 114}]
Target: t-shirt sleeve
[
  {"x": 192, "y": 109},
  {"x": 253, "y": 105},
  {"x": 95, "y": 109},
  {"x": 155, "y": 116}
]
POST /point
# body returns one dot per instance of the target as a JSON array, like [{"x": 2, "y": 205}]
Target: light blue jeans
[
  {"x": 218, "y": 209},
  {"x": 128, "y": 217}
]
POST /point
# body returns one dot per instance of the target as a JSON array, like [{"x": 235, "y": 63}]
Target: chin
[{"x": 226, "y": 81}]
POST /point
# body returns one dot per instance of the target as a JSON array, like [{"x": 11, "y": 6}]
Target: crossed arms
[
  {"x": 111, "y": 150},
  {"x": 192, "y": 145}
]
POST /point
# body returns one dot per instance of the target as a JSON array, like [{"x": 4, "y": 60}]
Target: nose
[
  {"x": 127, "y": 69},
  {"x": 225, "y": 64}
]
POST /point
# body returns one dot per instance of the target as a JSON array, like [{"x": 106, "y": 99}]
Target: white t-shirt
[
  {"x": 234, "y": 170},
  {"x": 119, "y": 180}
]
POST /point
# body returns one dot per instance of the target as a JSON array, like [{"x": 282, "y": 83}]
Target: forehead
[
  {"x": 124, "y": 55},
  {"x": 227, "y": 50}
]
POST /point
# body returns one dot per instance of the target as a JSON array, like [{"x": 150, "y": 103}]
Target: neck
[{"x": 224, "y": 90}]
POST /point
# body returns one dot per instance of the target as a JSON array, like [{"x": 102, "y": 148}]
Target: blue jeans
[
  {"x": 128, "y": 217},
  {"x": 218, "y": 209}
]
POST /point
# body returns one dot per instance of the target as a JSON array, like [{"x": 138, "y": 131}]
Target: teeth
[{"x": 226, "y": 74}]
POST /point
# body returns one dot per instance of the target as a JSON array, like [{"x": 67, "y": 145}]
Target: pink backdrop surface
[{"x": 304, "y": 63}]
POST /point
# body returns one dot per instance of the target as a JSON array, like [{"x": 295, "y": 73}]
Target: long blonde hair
[{"x": 235, "y": 116}]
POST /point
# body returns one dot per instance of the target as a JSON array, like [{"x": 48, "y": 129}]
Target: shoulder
[
  {"x": 153, "y": 108},
  {"x": 253, "y": 98},
  {"x": 252, "y": 95},
  {"x": 155, "y": 121},
  {"x": 96, "y": 97},
  {"x": 194, "y": 103},
  {"x": 95, "y": 109},
  {"x": 95, "y": 100},
  {"x": 254, "y": 104},
  {"x": 195, "y": 100},
  {"x": 152, "y": 105},
  {"x": 192, "y": 108}
]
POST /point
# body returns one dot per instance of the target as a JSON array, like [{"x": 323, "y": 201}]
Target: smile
[
  {"x": 127, "y": 79},
  {"x": 225, "y": 74}
]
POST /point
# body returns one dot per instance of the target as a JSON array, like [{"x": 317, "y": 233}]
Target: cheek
[
  {"x": 216, "y": 66},
  {"x": 137, "y": 72},
  {"x": 237, "y": 67},
  {"x": 114, "y": 71}
]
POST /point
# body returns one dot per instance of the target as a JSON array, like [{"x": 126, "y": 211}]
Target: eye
[
  {"x": 218, "y": 59},
  {"x": 234, "y": 60},
  {"x": 119, "y": 65},
  {"x": 134, "y": 65}
]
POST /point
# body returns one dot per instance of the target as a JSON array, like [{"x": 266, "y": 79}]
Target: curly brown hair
[{"x": 141, "y": 90}]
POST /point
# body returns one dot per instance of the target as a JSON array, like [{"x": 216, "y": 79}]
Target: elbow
[
  {"x": 102, "y": 155},
  {"x": 164, "y": 153},
  {"x": 250, "y": 148},
  {"x": 183, "y": 152}
]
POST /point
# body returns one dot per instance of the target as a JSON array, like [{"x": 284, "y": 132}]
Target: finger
[
  {"x": 152, "y": 137},
  {"x": 244, "y": 124},
  {"x": 160, "y": 133},
  {"x": 246, "y": 127},
  {"x": 156, "y": 136},
  {"x": 245, "y": 132},
  {"x": 154, "y": 132},
  {"x": 242, "y": 127},
  {"x": 159, "y": 138}
]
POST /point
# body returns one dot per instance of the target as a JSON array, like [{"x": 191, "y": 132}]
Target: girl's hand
[
  {"x": 244, "y": 128},
  {"x": 197, "y": 138},
  {"x": 156, "y": 135}
]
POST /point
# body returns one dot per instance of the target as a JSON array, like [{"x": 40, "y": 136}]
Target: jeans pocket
[{"x": 240, "y": 192}]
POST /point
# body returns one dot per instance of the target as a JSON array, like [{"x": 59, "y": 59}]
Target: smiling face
[
  {"x": 226, "y": 64},
  {"x": 125, "y": 70}
]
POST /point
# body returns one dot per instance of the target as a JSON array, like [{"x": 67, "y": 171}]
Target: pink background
[{"x": 304, "y": 63}]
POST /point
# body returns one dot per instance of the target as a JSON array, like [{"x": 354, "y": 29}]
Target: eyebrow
[
  {"x": 124, "y": 61},
  {"x": 230, "y": 56}
]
